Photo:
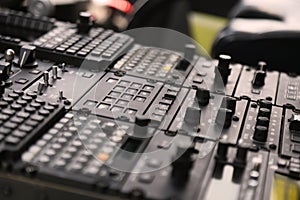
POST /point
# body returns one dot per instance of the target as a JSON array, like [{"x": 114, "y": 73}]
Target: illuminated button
[{"x": 103, "y": 156}]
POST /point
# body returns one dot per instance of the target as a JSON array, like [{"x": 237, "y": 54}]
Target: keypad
[
  {"x": 151, "y": 62},
  {"x": 79, "y": 145},
  {"x": 23, "y": 116}
]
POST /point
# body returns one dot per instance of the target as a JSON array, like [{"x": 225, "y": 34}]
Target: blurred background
[{"x": 200, "y": 19}]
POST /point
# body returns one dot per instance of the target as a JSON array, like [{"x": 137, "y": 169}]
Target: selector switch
[
  {"x": 264, "y": 112},
  {"x": 5, "y": 70},
  {"x": 260, "y": 133},
  {"x": 229, "y": 103},
  {"x": 141, "y": 126},
  {"x": 189, "y": 52},
  {"x": 27, "y": 57},
  {"x": 295, "y": 123},
  {"x": 262, "y": 121},
  {"x": 259, "y": 78},
  {"x": 84, "y": 23},
  {"x": 224, "y": 118},
  {"x": 193, "y": 116},
  {"x": 2, "y": 87},
  {"x": 203, "y": 96},
  {"x": 183, "y": 163},
  {"x": 265, "y": 104},
  {"x": 223, "y": 68}
]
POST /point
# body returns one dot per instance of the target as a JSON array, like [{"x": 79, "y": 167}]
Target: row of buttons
[
  {"x": 21, "y": 115},
  {"x": 139, "y": 60},
  {"x": 292, "y": 91},
  {"x": 26, "y": 20}
]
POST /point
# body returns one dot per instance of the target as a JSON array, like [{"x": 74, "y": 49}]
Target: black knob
[
  {"x": 241, "y": 154},
  {"x": 183, "y": 163},
  {"x": 265, "y": 104},
  {"x": 259, "y": 78},
  {"x": 295, "y": 123},
  {"x": 224, "y": 68},
  {"x": 84, "y": 23},
  {"x": 229, "y": 103},
  {"x": 222, "y": 150},
  {"x": 262, "y": 66},
  {"x": 224, "y": 118},
  {"x": 264, "y": 112},
  {"x": 192, "y": 116},
  {"x": 203, "y": 96},
  {"x": 5, "y": 70},
  {"x": 260, "y": 133},
  {"x": 2, "y": 88},
  {"x": 262, "y": 121},
  {"x": 27, "y": 57},
  {"x": 141, "y": 126}
]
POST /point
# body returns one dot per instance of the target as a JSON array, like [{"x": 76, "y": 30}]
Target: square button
[
  {"x": 104, "y": 106},
  {"x": 119, "y": 88},
  {"x": 148, "y": 87},
  {"x": 114, "y": 94},
  {"x": 124, "y": 83},
  {"x": 22, "y": 81},
  {"x": 130, "y": 111},
  {"x": 117, "y": 109},
  {"x": 122, "y": 102},
  {"x": 112, "y": 80},
  {"x": 296, "y": 148},
  {"x": 131, "y": 91},
  {"x": 140, "y": 99},
  {"x": 167, "y": 101},
  {"x": 144, "y": 93},
  {"x": 127, "y": 96},
  {"x": 295, "y": 138},
  {"x": 157, "y": 117},
  {"x": 109, "y": 100},
  {"x": 255, "y": 91},
  {"x": 91, "y": 103},
  {"x": 35, "y": 71},
  {"x": 136, "y": 85},
  {"x": 163, "y": 107},
  {"x": 87, "y": 75}
]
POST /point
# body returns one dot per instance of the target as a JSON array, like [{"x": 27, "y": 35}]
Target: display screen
[{"x": 285, "y": 188}]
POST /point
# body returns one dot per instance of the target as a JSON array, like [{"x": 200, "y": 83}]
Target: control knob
[
  {"x": 260, "y": 133},
  {"x": 224, "y": 118},
  {"x": 203, "y": 96},
  {"x": 223, "y": 68},
  {"x": 84, "y": 23},
  {"x": 229, "y": 103}
]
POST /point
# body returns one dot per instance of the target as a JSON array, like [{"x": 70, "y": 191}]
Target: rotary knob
[
  {"x": 260, "y": 133},
  {"x": 183, "y": 163},
  {"x": 141, "y": 126},
  {"x": 203, "y": 96},
  {"x": 259, "y": 78},
  {"x": 84, "y": 23},
  {"x": 264, "y": 112},
  {"x": 265, "y": 104},
  {"x": 224, "y": 68},
  {"x": 262, "y": 121}
]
